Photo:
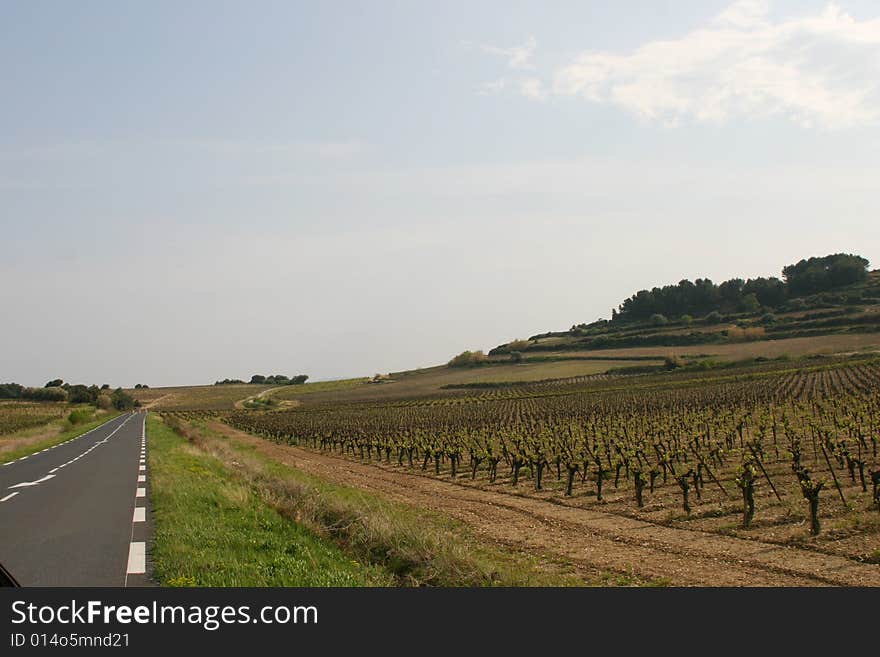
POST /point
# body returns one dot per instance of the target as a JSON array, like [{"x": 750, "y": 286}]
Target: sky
[{"x": 191, "y": 191}]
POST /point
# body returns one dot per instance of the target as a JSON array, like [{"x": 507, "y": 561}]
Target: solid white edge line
[{"x": 9, "y": 497}]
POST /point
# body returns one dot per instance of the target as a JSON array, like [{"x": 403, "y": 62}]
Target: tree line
[
  {"x": 702, "y": 296},
  {"x": 59, "y": 391},
  {"x": 273, "y": 379}
]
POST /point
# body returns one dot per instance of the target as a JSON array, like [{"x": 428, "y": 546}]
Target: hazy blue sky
[{"x": 196, "y": 190}]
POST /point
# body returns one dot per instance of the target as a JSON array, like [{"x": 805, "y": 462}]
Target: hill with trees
[{"x": 817, "y": 295}]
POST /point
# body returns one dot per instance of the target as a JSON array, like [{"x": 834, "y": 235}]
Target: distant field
[
  {"x": 201, "y": 397},
  {"x": 17, "y": 415},
  {"x": 28, "y": 427},
  {"x": 295, "y": 392},
  {"x": 822, "y": 344},
  {"x": 431, "y": 381}
]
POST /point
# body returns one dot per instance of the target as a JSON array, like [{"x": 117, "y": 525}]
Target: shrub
[
  {"x": 104, "y": 402},
  {"x": 79, "y": 416},
  {"x": 687, "y": 320},
  {"x": 468, "y": 359},
  {"x": 768, "y": 318},
  {"x": 659, "y": 320},
  {"x": 737, "y": 334},
  {"x": 713, "y": 317},
  {"x": 672, "y": 362},
  {"x": 516, "y": 356},
  {"x": 121, "y": 400},
  {"x": 44, "y": 394}
]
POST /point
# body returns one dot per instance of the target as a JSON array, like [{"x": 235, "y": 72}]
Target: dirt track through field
[{"x": 586, "y": 538}]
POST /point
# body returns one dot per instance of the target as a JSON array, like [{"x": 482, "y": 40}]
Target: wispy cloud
[
  {"x": 533, "y": 88},
  {"x": 518, "y": 56},
  {"x": 819, "y": 69}
]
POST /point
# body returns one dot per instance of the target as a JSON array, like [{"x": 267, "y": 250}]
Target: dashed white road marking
[
  {"x": 9, "y": 497},
  {"x": 25, "y": 484},
  {"x": 142, "y": 468},
  {"x": 137, "y": 558},
  {"x": 142, "y": 478},
  {"x": 141, "y": 492},
  {"x": 140, "y": 514}
]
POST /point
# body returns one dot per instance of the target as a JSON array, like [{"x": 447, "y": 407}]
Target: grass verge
[
  {"x": 414, "y": 546},
  {"x": 213, "y": 529},
  {"x": 66, "y": 432}
]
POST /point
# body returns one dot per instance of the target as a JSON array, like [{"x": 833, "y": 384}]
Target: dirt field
[{"x": 589, "y": 538}]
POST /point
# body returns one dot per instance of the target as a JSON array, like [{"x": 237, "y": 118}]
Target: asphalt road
[{"x": 68, "y": 514}]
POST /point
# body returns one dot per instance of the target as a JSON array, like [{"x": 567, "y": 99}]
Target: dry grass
[
  {"x": 823, "y": 344},
  {"x": 197, "y": 397}
]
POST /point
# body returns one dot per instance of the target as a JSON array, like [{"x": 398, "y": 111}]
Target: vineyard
[
  {"x": 784, "y": 453},
  {"x": 15, "y": 416}
]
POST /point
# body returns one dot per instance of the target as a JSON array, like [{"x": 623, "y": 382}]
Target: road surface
[{"x": 75, "y": 514}]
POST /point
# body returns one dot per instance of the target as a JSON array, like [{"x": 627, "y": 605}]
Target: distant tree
[
  {"x": 659, "y": 320},
  {"x": 731, "y": 292},
  {"x": 55, "y": 393},
  {"x": 814, "y": 275},
  {"x": 713, "y": 317},
  {"x": 122, "y": 401},
  {"x": 750, "y": 303},
  {"x": 226, "y": 382},
  {"x": 299, "y": 379},
  {"x": 80, "y": 394},
  {"x": 54, "y": 383},
  {"x": 770, "y": 292},
  {"x": 106, "y": 386},
  {"x": 258, "y": 378},
  {"x": 687, "y": 320},
  {"x": 10, "y": 390},
  {"x": 516, "y": 356}
]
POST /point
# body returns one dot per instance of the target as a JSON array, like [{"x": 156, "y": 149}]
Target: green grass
[
  {"x": 292, "y": 392},
  {"x": 213, "y": 530},
  {"x": 66, "y": 434}
]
